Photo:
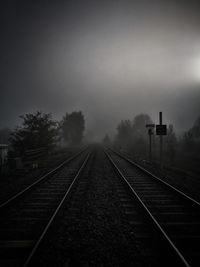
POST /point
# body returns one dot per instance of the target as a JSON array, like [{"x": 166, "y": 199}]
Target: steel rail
[
  {"x": 156, "y": 177},
  {"x": 45, "y": 176},
  {"x": 36, "y": 246},
  {"x": 173, "y": 246}
]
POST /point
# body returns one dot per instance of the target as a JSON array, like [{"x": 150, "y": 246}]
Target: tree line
[
  {"x": 39, "y": 130},
  {"x": 179, "y": 150}
]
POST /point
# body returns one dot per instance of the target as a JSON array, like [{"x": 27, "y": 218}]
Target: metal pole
[
  {"x": 161, "y": 143},
  {"x": 150, "y": 148}
]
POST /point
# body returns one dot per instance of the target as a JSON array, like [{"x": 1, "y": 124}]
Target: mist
[{"x": 110, "y": 59}]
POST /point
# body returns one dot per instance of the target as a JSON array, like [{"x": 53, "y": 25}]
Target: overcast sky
[{"x": 110, "y": 59}]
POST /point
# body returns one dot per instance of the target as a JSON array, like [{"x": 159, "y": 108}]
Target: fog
[{"x": 110, "y": 59}]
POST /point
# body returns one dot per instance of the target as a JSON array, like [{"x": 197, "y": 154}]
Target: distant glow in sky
[
  {"x": 110, "y": 59},
  {"x": 195, "y": 68},
  {"x": 124, "y": 61}
]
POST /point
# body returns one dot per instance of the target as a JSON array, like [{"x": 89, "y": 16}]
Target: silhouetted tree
[
  {"x": 37, "y": 130},
  {"x": 140, "y": 133},
  {"x": 171, "y": 143},
  {"x": 73, "y": 126},
  {"x": 191, "y": 139},
  {"x": 106, "y": 140},
  {"x": 4, "y": 135},
  {"x": 188, "y": 140},
  {"x": 196, "y": 129},
  {"x": 139, "y": 125},
  {"x": 124, "y": 133},
  {"x": 133, "y": 136}
]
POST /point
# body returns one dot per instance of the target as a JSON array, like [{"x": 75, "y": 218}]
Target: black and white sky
[{"x": 110, "y": 59}]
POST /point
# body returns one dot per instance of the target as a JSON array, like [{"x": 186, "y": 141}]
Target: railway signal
[{"x": 161, "y": 129}]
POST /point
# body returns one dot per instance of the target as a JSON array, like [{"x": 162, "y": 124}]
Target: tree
[
  {"x": 133, "y": 136},
  {"x": 139, "y": 125},
  {"x": 140, "y": 133},
  {"x": 73, "y": 126},
  {"x": 171, "y": 143},
  {"x": 196, "y": 129},
  {"x": 191, "y": 139},
  {"x": 38, "y": 130},
  {"x": 124, "y": 133},
  {"x": 4, "y": 135},
  {"x": 106, "y": 140}
]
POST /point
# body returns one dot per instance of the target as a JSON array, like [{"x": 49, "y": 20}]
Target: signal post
[{"x": 161, "y": 129}]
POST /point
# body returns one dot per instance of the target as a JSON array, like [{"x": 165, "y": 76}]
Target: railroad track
[
  {"x": 26, "y": 217},
  {"x": 99, "y": 189},
  {"x": 175, "y": 216},
  {"x": 56, "y": 247}
]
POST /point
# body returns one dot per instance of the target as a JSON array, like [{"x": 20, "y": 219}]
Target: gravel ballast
[{"x": 93, "y": 230}]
